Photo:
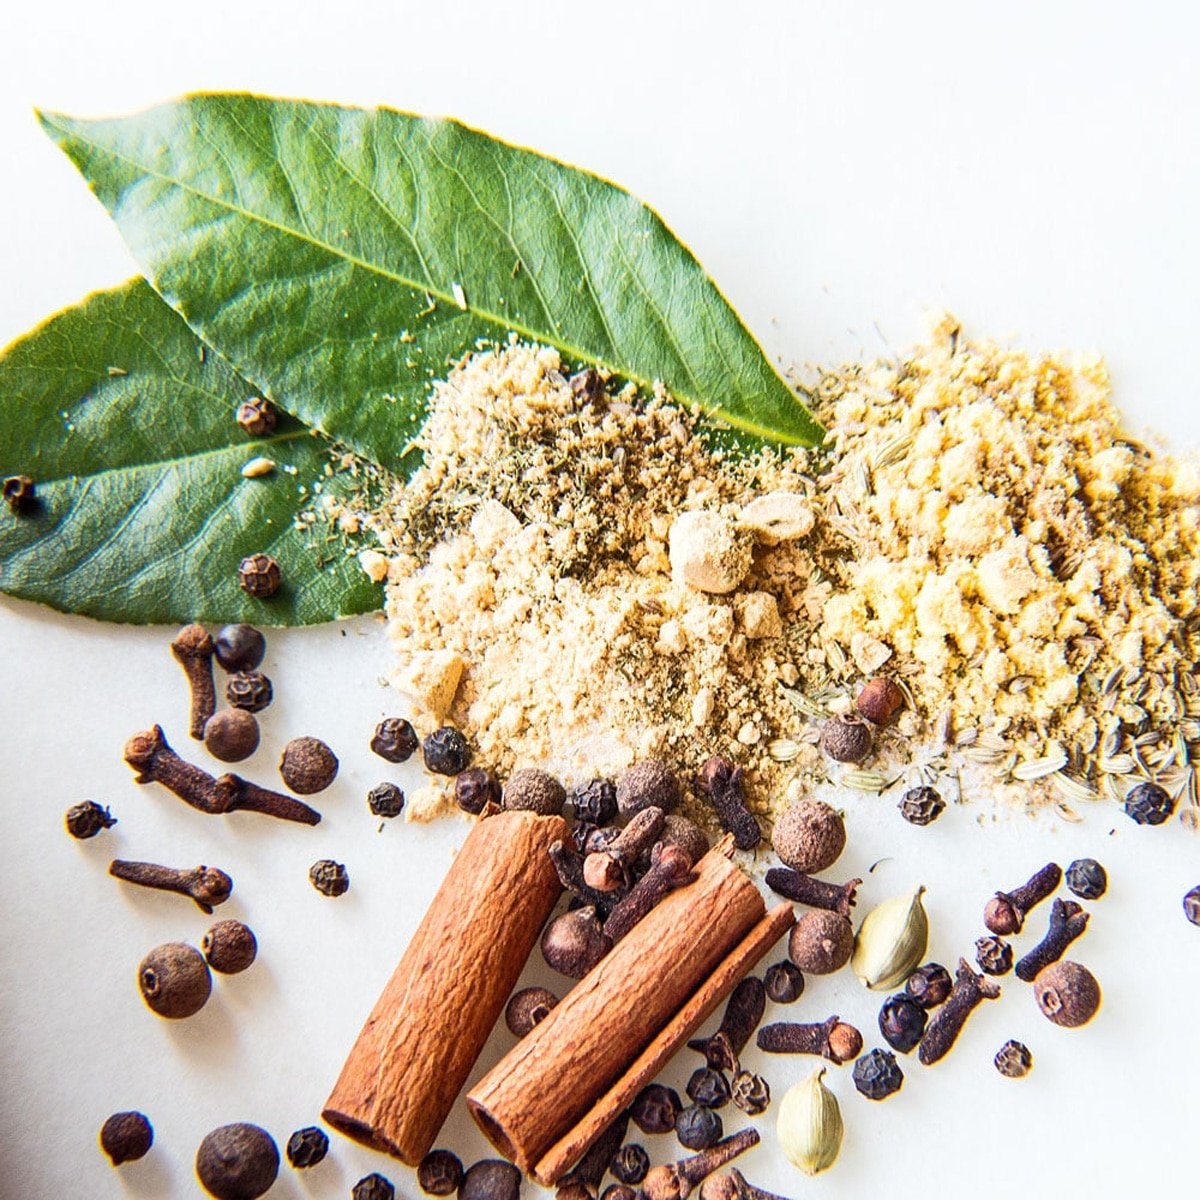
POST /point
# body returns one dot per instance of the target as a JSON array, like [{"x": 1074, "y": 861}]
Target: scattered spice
[
  {"x": 239, "y": 647},
  {"x": 902, "y": 1022},
  {"x": 804, "y": 889},
  {"x": 395, "y": 740},
  {"x": 832, "y": 1039},
  {"x": 237, "y": 1162},
  {"x": 257, "y": 416},
  {"x": 308, "y": 765},
  {"x": 329, "y": 878},
  {"x": 784, "y": 982},
  {"x": 1087, "y": 879},
  {"x": 193, "y": 650},
  {"x": 751, "y": 1093},
  {"x": 491, "y": 1179},
  {"x": 475, "y": 789},
  {"x": 697, "y": 1128},
  {"x": 1149, "y": 804},
  {"x": 921, "y": 805},
  {"x": 583, "y": 1182},
  {"x": 610, "y": 868},
  {"x": 595, "y": 801},
  {"x": 1013, "y": 1059},
  {"x": 721, "y": 781},
  {"x": 208, "y": 886},
  {"x": 708, "y": 1088},
  {"x": 533, "y": 791},
  {"x": 676, "y": 1181},
  {"x": 994, "y": 955},
  {"x": 574, "y": 943},
  {"x": 809, "y": 836},
  {"x": 877, "y": 1075},
  {"x": 732, "y": 1185},
  {"x": 880, "y": 700},
  {"x": 648, "y": 784},
  {"x": 670, "y": 869},
  {"x": 440, "y": 1173},
  {"x": 307, "y": 1147},
  {"x": 846, "y": 739},
  {"x": 249, "y": 690},
  {"x": 446, "y": 751},
  {"x": 86, "y": 819},
  {"x": 630, "y": 1164},
  {"x": 20, "y": 494},
  {"x": 126, "y": 1136},
  {"x": 373, "y": 1187},
  {"x": 385, "y": 800},
  {"x": 1005, "y": 912},
  {"x": 929, "y": 985},
  {"x": 259, "y": 576},
  {"x": 655, "y": 1109},
  {"x": 527, "y": 1008},
  {"x": 174, "y": 980},
  {"x": 891, "y": 941},
  {"x": 1067, "y": 922},
  {"x": 231, "y": 735},
  {"x": 969, "y": 989},
  {"x": 229, "y": 947},
  {"x": 743, "y": 1012},
  {"x": 821, "y": 942},
  {"x": 1067, "y": 993}
]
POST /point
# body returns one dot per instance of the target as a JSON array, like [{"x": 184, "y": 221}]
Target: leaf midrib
[{"x": 763, "y": 432}]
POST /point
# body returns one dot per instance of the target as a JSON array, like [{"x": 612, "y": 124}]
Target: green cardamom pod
[
  {"x": 891, "y": 942},
  {"x": 809, "y": 1125}
]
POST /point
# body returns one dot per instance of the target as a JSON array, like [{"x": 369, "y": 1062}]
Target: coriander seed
[
  {"x": 257, "y": 416},
  {"x": 385, "y": 800},
  {"x": 174, "y": 980},
  {"x": 446, "y": 751},
  {"x": 395, "y": 739},
  {"x": 229, "y": 947},
  {"x": 329, "y": 878},
  {"x": 87, "y": 819},
  {"x": 440, "y": 1173},
  {"x": 239, "y": 647},
  {"x": 308, "y": 765},
  {"x": 126, "y": 1136},
  {"x": 231, "y": 735},
  {"x": 259, "y": 576},
  {"x": 249, "y": 690},
  {"x": 307, "y": 1147}
]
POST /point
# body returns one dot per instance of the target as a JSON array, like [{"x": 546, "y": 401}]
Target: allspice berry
[
  {"x": 237, "y": 1162},
  {"x": 846, "y": 739},
  {"x": 308, "y": 765},
  {"x": 231, "y": 735},
  {"x": 527, "y": 1008},
  {"x": 821, "y": 942},
  {"x": 531, "y": 790},
  {"x": 809, "y": 836},
  {"x": 880, "y": 700},
  {"x": 1067, "y": 993},
  {"x": 126, "y": 1136},
  {"x": 687, "y": 835},
  {"x": 646, "y": 784},
  {"x": 174, "y": 980},
  {"x": 574, "y": 943},
  {"x": 229, "y": 947}
]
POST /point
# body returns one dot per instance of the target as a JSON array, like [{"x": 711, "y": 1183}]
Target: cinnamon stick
[
  {"x": 438, "y": 1009},
  {"x": 547, "y": 1084}
]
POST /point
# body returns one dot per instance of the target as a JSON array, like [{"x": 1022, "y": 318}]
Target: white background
[{"x": 1034, "y": 167}]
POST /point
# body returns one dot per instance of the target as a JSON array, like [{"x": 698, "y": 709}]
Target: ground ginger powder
[{"x": 977, "y": 526}]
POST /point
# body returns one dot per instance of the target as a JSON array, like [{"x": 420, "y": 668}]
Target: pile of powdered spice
[{"x": 577, "y": 579}]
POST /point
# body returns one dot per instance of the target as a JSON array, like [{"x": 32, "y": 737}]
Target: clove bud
[
  {"x": 193, "y": 650},
  {"x": 671, "y": 868},
  {"x": 1006, "y": 911},
  {"x": 721, "y": 781},
  {"x": 609, "y": 869},
  {"x": 208, "y": 886},
  {"x": 816, "y": 893},
  {"x": 969, "y": 989},
  {"x": 832, "y": 1039},
  {"x": 1067, "y": 922},
  {"x": 741, "y": 1017},
  {"x": 676, "y": 1180}
]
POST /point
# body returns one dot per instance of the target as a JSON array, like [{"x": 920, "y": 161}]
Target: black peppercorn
[
  {"x": 698, "y": 1128},
  {"x": 902, "y": 1022},
  {"x": 259, "y": 576},
  {"x": 174, "y": 980},
  {"x": 257, "y": 416},
  {"x": 231, "y": 735},
  {"x": 491, "y": 1179},
  {"x": 395, "y": 739},
  {"x": 1087, "y": 879},
  {"x": 308, "y": 765},
  {"x": 655, "y": 1109},
  {"x": 373, "y": 1187},
  {"x": 237, "y": 1162},
  {"x": 440, "y": 1173},
  {"x": 475, "y": 789},
  {"x": 877, "y": 1074},
  {"x": 229, "y": 947},
  {"x": 329, "y": 878},
  {"x": 385, "y": 800},
  {"x": 88, "y": 819},
  {"x": 1149, "y": 804},
  {"x": 921, "y": 805},
  {"x": 446, "y": 751},
  {"x": 1013, "y": 1059},
  {"x": 994, "y": 955},
  {"x": 1191, "y": 906},
  {"x": 930, "y": 985},
  {"x": 20, "y": 495},
  {"x": 708, "y": 1088},
  {"x": 784, "y": 982},
  {"x": 595, "y": 802},
  {"x": 239, "y": 647},
  {"x": 126, "y": 1136},
  {"x": 249, "y": 690},
  {"x": 630, "y": 1164},
  {"x": 750, "y": 1093},
  {"x": 307, "y": 1147}
]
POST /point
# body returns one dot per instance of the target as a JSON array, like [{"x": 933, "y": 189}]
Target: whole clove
[
  {"x": 784, "y": 982},
  {"x": 969, "y": 989},
  {"x": 732, "y": 1185},
  {"x": 722, "y": 782},
  {"x": 675, "y": 1181},
  {"x": 671, "y": 869},
  {"x": 816, "y": 893},
  {"x": 655, "y": 1109},
  {"x": 232, "y": 793},
  {"x": 743, "y": 1012},
  {"x": 609, "y": 868},
  {"x": 1006, "y": 911},
  {"x": 193, "y": 650},
  {"x": 208, "y": 886},
  {"x": 575, "y": 942},
  {"x": 583, "y": 1181},
  {"x": 86, "y": 819},
  {"x": 1067, "y": 921},
  {"x": 832, "y": 1039},
  {"x": 569, "y": 865}
]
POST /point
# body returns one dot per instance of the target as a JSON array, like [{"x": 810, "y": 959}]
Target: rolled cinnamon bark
[
  {"x": 438, "y": 1009},
  {"x": 548, "y": 1083}
]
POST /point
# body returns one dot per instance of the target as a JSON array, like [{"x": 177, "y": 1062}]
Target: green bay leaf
[
  {"x": 341, "y": 257},
  {"x": 126, "y": 423}
]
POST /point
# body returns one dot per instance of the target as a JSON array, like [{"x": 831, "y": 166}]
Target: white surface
[{"x": 1033, "y": 167}]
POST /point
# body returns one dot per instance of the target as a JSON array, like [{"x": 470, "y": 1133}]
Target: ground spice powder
[{"x": 978, "y": 525}]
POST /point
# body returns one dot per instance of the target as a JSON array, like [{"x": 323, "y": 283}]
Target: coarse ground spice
[{"x": 982, "y": 529}]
